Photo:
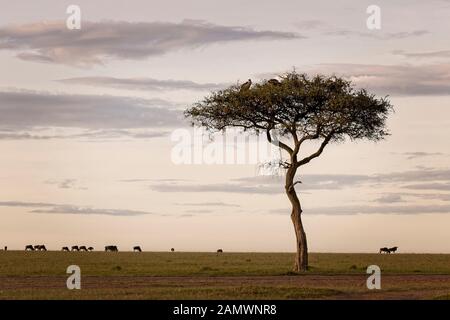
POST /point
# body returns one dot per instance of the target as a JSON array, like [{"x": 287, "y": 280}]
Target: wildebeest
[
  {"x": 37, "y": 247},
  {"x": 83, "y": 248},
  {"x": 172, "y": 249},
  {"x": 6, "y": 248},
  {"x": 393, "y": 249},
  {"x": 388, "y": 250},
  {"x": 384, "y": 249},
  {"x": 42, "y": 247},
  {"x": 91, "y": 249},
  {"x": 137, "y": 248},
  {"x": 75, "y": 248},
  {"x": 111, "y": 248},
  {"x": 65, "y": 249},
  {"x": 219, "y": 251},
  {"x": 29, "y": 247}
]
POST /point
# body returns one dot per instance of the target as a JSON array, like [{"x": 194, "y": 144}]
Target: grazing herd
[
  {"x": 110, "y": 248},
  {"x": 38, "y": 247},
  {"x": 388, "y": 250},
  {"x": 84, "y": 248},
  {"x": 41, "y": 247},
  {"x": 77, "y": 248}
]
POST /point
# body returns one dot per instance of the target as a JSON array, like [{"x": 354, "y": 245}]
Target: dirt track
[{"x": 346, "y": 286}]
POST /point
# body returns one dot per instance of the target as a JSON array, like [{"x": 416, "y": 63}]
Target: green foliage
[{"x": 313, "y": 107}]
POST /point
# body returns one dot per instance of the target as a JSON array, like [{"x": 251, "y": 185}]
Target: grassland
[{"x": 179, "y": 275}]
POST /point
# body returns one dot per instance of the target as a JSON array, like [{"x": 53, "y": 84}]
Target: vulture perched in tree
[
  {"x": 274, "y": 82},
  {"x": 245, "y": 86}
]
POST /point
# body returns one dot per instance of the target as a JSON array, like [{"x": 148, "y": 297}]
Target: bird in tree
[
  {"x": 246, "y": 85},
  {"x": 302, "y": 109},
  {"x": 274, "y": 82}
]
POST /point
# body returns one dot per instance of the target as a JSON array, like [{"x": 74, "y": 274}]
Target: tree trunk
[{"x": 301, "y": 257}]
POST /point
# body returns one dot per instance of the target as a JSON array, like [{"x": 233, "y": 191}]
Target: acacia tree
[{"x": 298, "y": 108}]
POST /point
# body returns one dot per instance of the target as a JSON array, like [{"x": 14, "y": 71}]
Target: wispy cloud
[
  {"x": 328, "y": 28},
  {"x": 378, "y": 35},
  {"x": 424, "y": 54},
  {"x": 96, "y": 42},
  {"x": 310, "y": 24},
  {"x": 218, "y": 187},
  {"x": 21, "y": 110},
  {"x": 364, "y": 209},
  {"x": 146, "y": 84},
  {"x": 66, "y": 184},
  {"x": 439, "y": 179},
  {"x": 198, "y": 211},
  {"x": 389, "y": 198},
  {"x": 85, "y": 134},
  {"x": 208, "y": 204},
  {"x": 418, "y": 154},
  {"x": 412, "y": 80},
  {"x": 154, "y": 180},
  {"x": 429, "y": 186},
  {"x": 41, "y": 207}
]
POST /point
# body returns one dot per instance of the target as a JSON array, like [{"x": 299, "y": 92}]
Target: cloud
[
  {"x": 310, "y": 24},
  {"x": 423, "y": 55},
  {"x": 145, "y": 84},
  {"x": 325, "y": 28},
  {"x": 208, "y": 204},
  {"x": 414, "y": 176},
  {"x": 198, "y": 211},
  {"x": 429, "y": 186},
  {"x": 311, "y": 181},
  {"x": 415, "y": 155},
  {"x": 63, "y": 184},
  {"x": 389, "y": 198},
  {"x": 426, "y": 196},
  {"x": 433, "y": 196},
  {"x": 411, "y": 80},
  {"x": 219, "y": 187},
  {"x": 96, "y": 42},
  {"x": 364, "y": 209},
  {"x": 266, "y": 185},
  {"x": 21, "y": 110},
  {"x": 85, "y": 134},
  {"x": 42, "y": 207},
  {"x": 378, "y": 35},
  {"x": 66, "y": 184},
  {"x": 154, "y": 180}
]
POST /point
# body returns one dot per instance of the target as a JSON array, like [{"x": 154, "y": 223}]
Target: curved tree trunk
[{"x": 301, "y": 258}]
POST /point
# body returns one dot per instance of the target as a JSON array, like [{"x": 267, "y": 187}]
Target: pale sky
[{"x": 86, "y": 118}]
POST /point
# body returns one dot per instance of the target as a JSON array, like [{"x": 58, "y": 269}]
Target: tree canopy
[{"x": 297, "y": 106}]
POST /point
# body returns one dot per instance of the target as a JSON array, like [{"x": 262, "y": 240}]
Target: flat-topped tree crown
[
  {"x": 299, "y": 108},
  {"x": 316, "y": 107}
]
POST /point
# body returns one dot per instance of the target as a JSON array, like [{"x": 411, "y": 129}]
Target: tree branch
[
  {"x": 280, "y": 144},
  {"x": 293, "y": 185},
  {"x": 317, "y": 153}
]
